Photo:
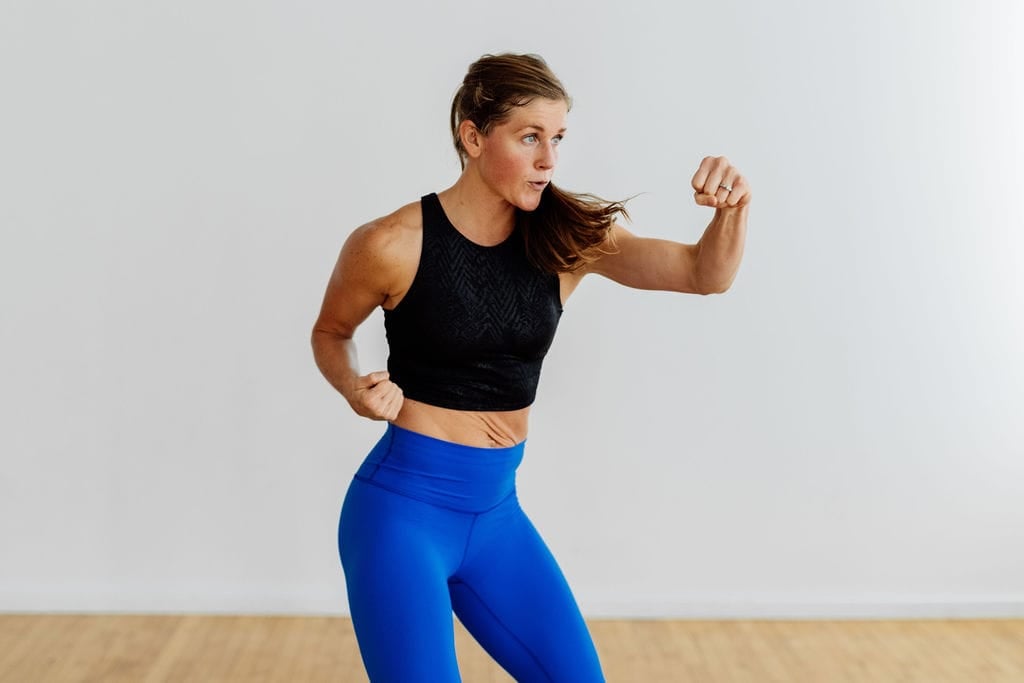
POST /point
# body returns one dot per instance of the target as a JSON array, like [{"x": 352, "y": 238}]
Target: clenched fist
[
  {"x": 375, "y": 396},
  {"x": 718, "y": 184}
]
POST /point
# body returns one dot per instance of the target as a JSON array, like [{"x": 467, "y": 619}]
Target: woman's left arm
[{"x": 707, "y": 267}]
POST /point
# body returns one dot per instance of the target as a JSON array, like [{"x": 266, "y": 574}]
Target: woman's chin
[{"x": 528, "y": 204}]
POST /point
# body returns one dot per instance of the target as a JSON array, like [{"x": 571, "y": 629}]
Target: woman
[{"x": 472, "y": 281}]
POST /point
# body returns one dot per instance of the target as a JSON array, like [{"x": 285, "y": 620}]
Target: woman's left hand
[{"x": 718, "y": 184}]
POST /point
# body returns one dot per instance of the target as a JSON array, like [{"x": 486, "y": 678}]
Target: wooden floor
[{"x": 111, "y": 649}]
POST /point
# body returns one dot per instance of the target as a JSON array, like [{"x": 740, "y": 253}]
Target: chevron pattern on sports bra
[{"x": 474, "y": 327}]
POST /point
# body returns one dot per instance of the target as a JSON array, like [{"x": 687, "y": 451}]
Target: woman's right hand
[{"x": 375, "y": 396}]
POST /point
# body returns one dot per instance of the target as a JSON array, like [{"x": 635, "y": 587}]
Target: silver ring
[{"x": 727, "y": 188}]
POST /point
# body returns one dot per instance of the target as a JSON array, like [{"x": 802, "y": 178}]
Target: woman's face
[{"x": 517, "y": 157}]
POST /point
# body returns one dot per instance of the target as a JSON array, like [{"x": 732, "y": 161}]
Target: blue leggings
[{"x": 430, "y": 526}]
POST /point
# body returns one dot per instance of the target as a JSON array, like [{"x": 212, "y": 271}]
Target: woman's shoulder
[
  {"x": 389, "y": 236},
  {"x": 401, "y": 225}
]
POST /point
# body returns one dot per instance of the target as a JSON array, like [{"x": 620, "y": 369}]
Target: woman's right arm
[{"x": 366, "y": 274}]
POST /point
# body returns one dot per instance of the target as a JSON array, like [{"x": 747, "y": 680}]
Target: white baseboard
[
  {"x": 329, "y": 600},
  {"x": 246, "y": 600},
  {"x": 837, "y": 608}
]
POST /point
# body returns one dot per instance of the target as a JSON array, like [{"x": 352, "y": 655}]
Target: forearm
[
  {"x": 337, "y": 360},
  {"x": 720, "y": 250}
]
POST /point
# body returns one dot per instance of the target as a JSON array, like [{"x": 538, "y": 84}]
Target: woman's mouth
[{"x": 538, "y": 185}]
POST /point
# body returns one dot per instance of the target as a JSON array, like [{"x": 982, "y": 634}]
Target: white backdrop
[{"x": 838, "y": 435}]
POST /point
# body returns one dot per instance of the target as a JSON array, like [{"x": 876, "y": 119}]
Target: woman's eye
[
  {"x": 557, "y": 140},
  {"x": 531, "y": 138}
]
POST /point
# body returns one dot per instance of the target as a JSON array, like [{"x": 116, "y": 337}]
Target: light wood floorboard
[{"x": 206, "y": 649}]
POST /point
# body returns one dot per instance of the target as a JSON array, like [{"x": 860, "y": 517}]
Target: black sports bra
[{"x": 472, "y": 331}]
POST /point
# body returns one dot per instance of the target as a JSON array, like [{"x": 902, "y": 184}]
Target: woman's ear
[{"x": 472, "y": 138}]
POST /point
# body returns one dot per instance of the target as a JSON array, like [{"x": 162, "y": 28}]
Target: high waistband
[{"x": 451, "y": 475}]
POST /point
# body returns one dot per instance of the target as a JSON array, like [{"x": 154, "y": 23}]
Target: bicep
[
  {"x": 358, "y": 284},
  {"x": 648, "y": 263}
]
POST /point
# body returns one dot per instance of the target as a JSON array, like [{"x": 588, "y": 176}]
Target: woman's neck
[{"x": 476, "y": 210}]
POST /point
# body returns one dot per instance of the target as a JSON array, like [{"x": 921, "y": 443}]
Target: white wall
[{"x": 838, "y": 435}]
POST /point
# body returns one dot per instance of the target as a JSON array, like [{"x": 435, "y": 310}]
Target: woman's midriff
[{"x": 485, "y": 429}]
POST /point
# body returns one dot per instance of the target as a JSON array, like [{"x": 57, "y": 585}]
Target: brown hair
[{"x": 566, "y": 230}]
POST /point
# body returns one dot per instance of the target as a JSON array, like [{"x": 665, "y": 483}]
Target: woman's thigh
[
  {"x": 512, "y": 596},
  {"x": 397, "y": 554}
]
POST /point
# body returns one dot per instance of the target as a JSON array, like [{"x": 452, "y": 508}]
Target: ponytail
[{"x": 567, "y": 230}]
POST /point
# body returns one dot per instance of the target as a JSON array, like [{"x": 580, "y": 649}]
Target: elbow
[
  {"x": 324, "y": 345},
  {"x": 317, "y": 339},
  {"x": 322, "y": 336},
  {"x": 315, "y": 344},
  {"x": 706, "y": 288},
  {"x": 706, "y": 282}
]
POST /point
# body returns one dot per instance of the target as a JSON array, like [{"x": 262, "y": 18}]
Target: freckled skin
[{"x": 522, "y": 149}]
